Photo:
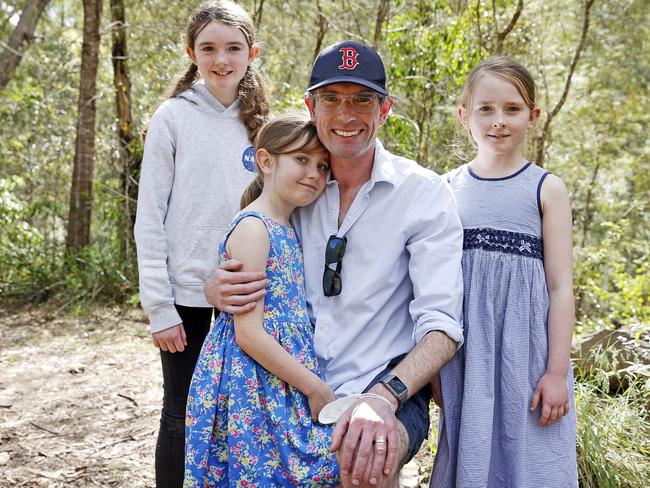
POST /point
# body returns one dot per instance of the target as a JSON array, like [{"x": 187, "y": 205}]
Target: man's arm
[
  {"x": 435, "y": 250},
  {"x": 419, "y": 367},
  {"x": 234, "y": 291},
  {"x": 372, "y": 419}
]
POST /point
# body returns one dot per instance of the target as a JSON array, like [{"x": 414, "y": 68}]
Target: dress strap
[
  {"x": 539, "y": 192},
  {"x": 241, "y": 216}
]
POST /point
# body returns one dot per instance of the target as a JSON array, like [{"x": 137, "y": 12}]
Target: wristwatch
[{"x": 396, "y": 387}]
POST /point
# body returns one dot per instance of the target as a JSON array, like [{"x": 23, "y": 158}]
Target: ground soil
[{"x": 80, "y": 399}]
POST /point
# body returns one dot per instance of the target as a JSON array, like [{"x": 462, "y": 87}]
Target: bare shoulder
[
  {"x": 249, "y": 242},
  {"x": 554, "y": 194},
  {"x": 250, "y": 227},
  {"x": 554, "y": 187}
]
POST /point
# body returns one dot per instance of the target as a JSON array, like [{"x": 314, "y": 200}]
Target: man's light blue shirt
[{"x": 401, "y": 272}]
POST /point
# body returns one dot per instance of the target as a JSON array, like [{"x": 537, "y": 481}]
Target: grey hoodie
[{"x": 194, "y": 171}]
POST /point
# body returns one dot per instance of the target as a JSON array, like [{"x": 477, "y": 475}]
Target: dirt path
[{"x": 79, "y": 401}]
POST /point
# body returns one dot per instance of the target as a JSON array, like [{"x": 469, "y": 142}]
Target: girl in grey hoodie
[{"x": 197, "y": 161}]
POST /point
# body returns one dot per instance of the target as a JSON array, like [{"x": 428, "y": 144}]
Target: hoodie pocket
[{"x": 202, "y": 259}]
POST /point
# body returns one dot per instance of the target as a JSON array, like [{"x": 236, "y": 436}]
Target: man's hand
[
  {"x": 172, "y": 339},
  {"x": 235, "y": 291},
  {"x": 366, "y": 432},
  {"x": 553, "y": 392}
]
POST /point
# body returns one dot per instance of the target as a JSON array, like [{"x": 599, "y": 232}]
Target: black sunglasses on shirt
[{"x": 334, "y": 252}]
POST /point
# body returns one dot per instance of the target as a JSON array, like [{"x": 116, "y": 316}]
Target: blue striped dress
[{"x": 487, "y": 435}]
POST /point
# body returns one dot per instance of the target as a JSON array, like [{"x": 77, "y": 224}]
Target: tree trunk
[
  {"x": 20, "y": 39},
  {"x": 588, "y": 212},
  {"x": 82, "y": 177},
  {"x": 128, "y": 152}
]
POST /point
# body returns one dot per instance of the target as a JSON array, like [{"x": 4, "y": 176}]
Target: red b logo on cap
[{"x": 349, "y": 60}]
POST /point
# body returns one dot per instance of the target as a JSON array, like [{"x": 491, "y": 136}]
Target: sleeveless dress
[
  {"x": 488, "y": 438},
  {"x": 244, "y": 426}
]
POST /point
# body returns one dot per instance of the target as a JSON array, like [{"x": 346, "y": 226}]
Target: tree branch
[
  {"x": 355, "y": 17},
  {"x": 257, "y": 17},
  {"x": 382, "y": 13},
  {"x": 322, "y": 30},
  {"x": 541, "y": 140},
  {"x": 501, "y": 36}
]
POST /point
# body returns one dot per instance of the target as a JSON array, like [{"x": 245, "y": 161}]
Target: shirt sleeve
[
  {"x": 156, "y": 181},
  {"x": 435, "y": 247}
]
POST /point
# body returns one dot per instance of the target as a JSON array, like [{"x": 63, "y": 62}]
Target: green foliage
[
  {"x": 598, "y": 143},
  {"x": 35, "y": 269},
  {"x": 610, "y": 287},
  {"x": 21, "y": 244},
  {"x": 430, "y": 51},
  {"x": 613, "y": 434}
]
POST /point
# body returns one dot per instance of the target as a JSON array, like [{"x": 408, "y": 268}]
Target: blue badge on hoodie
[{"x": 248, "y": 159}]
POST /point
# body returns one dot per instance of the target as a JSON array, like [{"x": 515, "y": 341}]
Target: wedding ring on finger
[{"x": 380, "y": 444}]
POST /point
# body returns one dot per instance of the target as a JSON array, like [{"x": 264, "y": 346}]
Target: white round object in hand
[{"x": 331, "y": 412}]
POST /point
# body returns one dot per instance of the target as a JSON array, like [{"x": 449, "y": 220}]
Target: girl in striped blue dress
[{"x": 508, "y": 417}]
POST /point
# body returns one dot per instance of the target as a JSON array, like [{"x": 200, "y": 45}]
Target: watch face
[{"x": 397, "y": 385}]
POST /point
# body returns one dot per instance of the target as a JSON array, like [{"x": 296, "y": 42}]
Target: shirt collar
[{"x": 382, "y": 167}]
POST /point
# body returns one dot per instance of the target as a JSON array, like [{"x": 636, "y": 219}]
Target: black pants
[{"x": 177, "y": 368}]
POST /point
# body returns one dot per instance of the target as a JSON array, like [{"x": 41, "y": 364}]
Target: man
[{"x": 382, "y": 248}]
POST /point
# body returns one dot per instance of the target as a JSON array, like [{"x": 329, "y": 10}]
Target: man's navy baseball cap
[{"x": 349, "y": 62}]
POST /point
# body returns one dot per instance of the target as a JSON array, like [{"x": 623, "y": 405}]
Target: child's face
[
  {"x": 299, "y": 177},
  {"x": 498, "y": 117},
  {"x": 222, "y": 55}
]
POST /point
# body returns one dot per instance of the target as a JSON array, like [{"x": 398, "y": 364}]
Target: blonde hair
[
  {"x": 280, "y": 136},
  {"x": 505, "y": 68},
  {"x": 254, "y": 105}
]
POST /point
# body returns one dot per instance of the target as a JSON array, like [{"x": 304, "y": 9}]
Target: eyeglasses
[
  {"x": 361, "y": 102},
  {"x": 334, "y": 252}
]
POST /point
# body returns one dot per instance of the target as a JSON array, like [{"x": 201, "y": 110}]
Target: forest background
[{"x": 78, "y": 83}]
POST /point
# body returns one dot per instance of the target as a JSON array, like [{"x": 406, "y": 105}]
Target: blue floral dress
[{"x": 244, "y": 426}]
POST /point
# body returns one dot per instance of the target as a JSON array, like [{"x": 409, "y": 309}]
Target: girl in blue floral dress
[{"x": 257, "y": 391}]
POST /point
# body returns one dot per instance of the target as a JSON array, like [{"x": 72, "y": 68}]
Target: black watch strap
[{"x": 396, "y": 387}]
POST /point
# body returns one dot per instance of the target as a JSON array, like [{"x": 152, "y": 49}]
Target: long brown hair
[
  {"x": 279, "y": 136},
  {"x": 254, "y": 104}
]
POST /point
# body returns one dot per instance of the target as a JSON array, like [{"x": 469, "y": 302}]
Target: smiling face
[
  {"x": 346, "y": 133},
  {"x": 222, "y": 56},
  {"x": 497, "y": 117},
  {"x": 298, "y": 176}
]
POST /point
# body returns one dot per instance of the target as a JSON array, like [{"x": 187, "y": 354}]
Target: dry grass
[{"x": 78, "y": 400}]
